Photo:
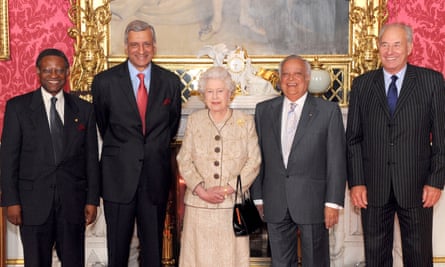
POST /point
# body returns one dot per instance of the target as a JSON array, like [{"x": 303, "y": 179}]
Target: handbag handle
[{"x": 239, "y": 189}]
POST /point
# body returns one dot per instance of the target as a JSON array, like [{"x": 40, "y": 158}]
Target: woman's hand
[{"x": 214, "y": 195}]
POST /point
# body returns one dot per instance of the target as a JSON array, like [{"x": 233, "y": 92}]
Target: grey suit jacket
[
  {"x": 385, "y": 151},
  {"x": 316, "y": 171}
]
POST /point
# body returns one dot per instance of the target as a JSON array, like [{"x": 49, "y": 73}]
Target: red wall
[
  {"x": 38, "y": 24},
  {"x": 33, "y": 26},
  {"x": 427, "y": 18}
]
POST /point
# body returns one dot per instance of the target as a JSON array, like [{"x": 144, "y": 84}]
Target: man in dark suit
[
  {"x": 396, "y": 151},
  {"x": 50, "y": 191},
  {"x": 303, "y": 172},
  {"x": 136, "y": 154}
]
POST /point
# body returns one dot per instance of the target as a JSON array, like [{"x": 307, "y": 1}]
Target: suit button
[
  {"x": 217, "y": 149},
  {"x": 391, "y": 144},
  {"x": 216, "y": 163},
  {"x": 216, "y": 176},
  {"x": 217, "y": 137}
]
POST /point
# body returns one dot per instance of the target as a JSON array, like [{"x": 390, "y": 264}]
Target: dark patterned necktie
[
  {"x": 392, "y": 95},
  {"x": 56, "y": 127}
]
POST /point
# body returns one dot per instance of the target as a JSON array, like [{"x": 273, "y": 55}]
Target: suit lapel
[
  {"x": 158, "y": 94},
  {"x": 71, "y": 120},
  {"x": 40, "y": 120},
  {"x": 378, "y": 89},
  {"x": 308, "y": 114},
  {"x": 407, "y": 89},
  {"x": 276, "y": 118},
  {"x": 127, "y": 88},
  {"x": 154, "y": 95}
]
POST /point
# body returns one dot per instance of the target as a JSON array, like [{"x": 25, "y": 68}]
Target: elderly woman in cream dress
[{"x": 219, "y": 144}]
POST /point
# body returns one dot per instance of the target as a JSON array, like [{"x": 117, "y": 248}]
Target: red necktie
[{"x": 142, "y": 99}]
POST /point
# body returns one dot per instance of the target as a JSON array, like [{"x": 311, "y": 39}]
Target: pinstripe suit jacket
[{"x": 384, "y": 150}]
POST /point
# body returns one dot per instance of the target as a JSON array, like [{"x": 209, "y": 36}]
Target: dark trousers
[
  {"x": 121, "y": 218},
  {"x": 283, "y": 240},
  {"x": 39, "y": 240},
  {"x": 416, "y": 227}
]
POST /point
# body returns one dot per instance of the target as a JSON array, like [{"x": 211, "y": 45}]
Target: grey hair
[
  {"x": 216, "y": 73},
  {"x": 408, "y": 30},
  {"x": 139, "y": 26},
  {"x": 290, "y": 57}
]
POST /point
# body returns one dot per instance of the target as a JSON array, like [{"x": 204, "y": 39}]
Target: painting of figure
[{"x": 261, "y": 27}]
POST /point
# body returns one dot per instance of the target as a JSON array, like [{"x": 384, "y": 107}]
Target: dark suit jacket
[
  {"x": 28, "y": 172},
  {"x": 316, "y": 171},
  {"x": 128, "y": 157},
  {"x": 384, "y": 150}
]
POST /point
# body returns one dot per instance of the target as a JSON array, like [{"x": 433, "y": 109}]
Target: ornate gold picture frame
[
  {"x": 4, "y": 30},
  {"x": 92, "y": 34}
]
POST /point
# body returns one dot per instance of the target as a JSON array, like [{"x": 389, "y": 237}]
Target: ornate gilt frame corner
[{"x": 4, "y": 30}]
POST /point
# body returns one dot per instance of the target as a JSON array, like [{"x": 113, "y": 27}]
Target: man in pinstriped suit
[{"x": 396, "y": 162}]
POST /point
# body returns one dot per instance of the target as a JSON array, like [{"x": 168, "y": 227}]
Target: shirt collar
[
  {"x": 47, "y": 96},
  {"x": 300, "y": 101},
  {"x": 400, "y": 75},
  {"x": 134, "y": 72}
]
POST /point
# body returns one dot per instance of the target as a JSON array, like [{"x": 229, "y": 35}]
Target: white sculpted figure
[{"x": 241, "y": 68}]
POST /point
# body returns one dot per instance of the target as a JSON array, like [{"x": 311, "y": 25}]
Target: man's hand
[
  {"x": 359, "y": 196},
  {"x": 90, "y": 214},
  {"x": 330, "y": 217},
  {"x": 430, "y": 196},
  {"x": 14, "y": 214},
  {"x": 260, "y": 210}
]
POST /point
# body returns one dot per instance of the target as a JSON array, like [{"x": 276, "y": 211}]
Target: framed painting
[
  {"x": 339, "y": 35},
  {"x": 262, "y": 28},
  {"x": 4, "y": 30}
]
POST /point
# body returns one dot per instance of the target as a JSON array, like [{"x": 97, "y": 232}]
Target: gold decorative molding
[
  {"x": 366, "y": 19},
  {"x": 90, "y": 32},
  {"x": 4, "y": 30}
]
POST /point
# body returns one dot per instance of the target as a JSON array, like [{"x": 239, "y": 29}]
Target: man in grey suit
[
  {"x": 303, "y": 173},
  {"x": 396, "y": 151}
]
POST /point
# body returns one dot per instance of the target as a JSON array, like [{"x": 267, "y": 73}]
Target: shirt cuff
[
  {"x": 333, "y": 205},
  {"x": 258, "y": 201}
]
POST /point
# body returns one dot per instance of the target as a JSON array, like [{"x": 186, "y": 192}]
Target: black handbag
[{"x": 246, "y": 218}]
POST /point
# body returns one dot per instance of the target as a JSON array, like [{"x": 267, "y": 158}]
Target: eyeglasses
[{"x": 51, "y": 71}]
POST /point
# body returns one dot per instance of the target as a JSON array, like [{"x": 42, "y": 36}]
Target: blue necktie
[{"x": 392, "y": 95}]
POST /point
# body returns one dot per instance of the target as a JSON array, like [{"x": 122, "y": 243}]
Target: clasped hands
[{"x": 215, "y": 194}]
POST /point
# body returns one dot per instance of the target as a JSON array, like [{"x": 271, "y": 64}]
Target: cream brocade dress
[{"x": 215, "y": 155}]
